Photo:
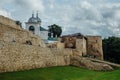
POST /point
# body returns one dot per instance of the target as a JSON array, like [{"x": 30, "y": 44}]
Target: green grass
[{"x": 61, "y": 73}]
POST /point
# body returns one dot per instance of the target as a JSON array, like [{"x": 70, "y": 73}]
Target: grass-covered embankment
[{"x": 61, "y": 73}]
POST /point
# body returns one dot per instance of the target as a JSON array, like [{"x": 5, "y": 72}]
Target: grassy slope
[{"x": 61, "y": 73}]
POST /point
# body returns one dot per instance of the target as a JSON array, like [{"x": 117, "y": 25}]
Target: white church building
[{"x": 34, "y": 25}]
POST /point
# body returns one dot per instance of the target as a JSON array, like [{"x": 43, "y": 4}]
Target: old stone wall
[
  {"x": 10, "y": 31},
  {"x": 15, "y": 57},
  {"x": 70, "y": 42},
  {"x": 8, "y": 22},
  {"x": 9, "y": 34},
  {"x": 94, "y": 46},
  {"x": 79, "y": 43},
  {"x": 81, "y": 46},
  {"x": 16, "y": 54},
  {"x": 60, "y": 45}
]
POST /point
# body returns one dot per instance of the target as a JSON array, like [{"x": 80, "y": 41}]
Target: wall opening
[{"x": 32, "y": 29}]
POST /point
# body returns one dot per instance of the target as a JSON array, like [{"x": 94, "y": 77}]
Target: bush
[{"x": 111, "y": 49}]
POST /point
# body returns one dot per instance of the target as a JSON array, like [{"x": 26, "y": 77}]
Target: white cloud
[
  {"x": 95, "y": 17},
  {"x": 5, "y": 13},
  {"x": 30, "y": 5}
]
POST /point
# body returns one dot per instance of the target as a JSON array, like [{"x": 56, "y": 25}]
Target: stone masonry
[
  {"x": 90, "y": 46},
  {"x": 12, "y": 32},
  {"x": 22, "y": 50}
]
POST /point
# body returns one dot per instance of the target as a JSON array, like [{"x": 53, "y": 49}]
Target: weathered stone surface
[
  {"x": 81, "y": 46},
  {"x": 10, "y": 34},
  {"x": 9, "y": 22},
  {"x": 15, "y": 56},
  {"x": 86, "y": 45},
  {"x": 94, "y": 47},
  {"x": 83, "y": 62}
]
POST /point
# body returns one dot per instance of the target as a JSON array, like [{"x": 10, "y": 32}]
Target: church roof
[
  {"x": 43, "y": 29},
  {"x": 77, "y": 35},
  {"x": 34, "y": 19}
]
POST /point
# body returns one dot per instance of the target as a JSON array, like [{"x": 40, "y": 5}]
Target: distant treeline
[{"x": 111, "y": 49}]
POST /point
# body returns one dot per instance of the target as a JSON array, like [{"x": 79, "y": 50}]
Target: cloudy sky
[{"x": 89, "y": 17}]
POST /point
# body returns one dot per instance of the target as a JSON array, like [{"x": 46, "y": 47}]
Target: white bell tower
[{"x": 34, "y": 24}]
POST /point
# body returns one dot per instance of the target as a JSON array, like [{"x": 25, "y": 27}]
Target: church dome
[
  {"x": 38, "y": 19},
  {"x": 34, "y": 19}
]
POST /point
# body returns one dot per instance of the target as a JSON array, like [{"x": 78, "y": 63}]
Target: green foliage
[
  {"x": 61, "y": 73},
  {"x": 111, "y": 49},
  {"x": 55, "y": 29},
  {"x": 19, "y": 23}
]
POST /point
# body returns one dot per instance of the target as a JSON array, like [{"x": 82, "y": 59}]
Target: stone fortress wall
[
  {"x": 13, "y": 32},
  {"x": 16, "y": 55},
  {"x": 94, "y": 46},
  {"x": 81, "y": 46},
  {"x": 8, "y": 22},
  {"x": 90, "y": 46}
]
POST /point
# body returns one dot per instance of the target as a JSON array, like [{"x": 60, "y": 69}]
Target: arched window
[{"x": 31, "y": 28}]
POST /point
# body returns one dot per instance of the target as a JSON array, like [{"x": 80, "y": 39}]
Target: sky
[{"x": 89, "y": 17}]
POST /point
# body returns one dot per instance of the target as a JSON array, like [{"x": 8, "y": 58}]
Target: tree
[
  {"x": 111, "y": 49},
  {"x": 55, "y": 29},
  {"x": 19, "y": 23}
]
